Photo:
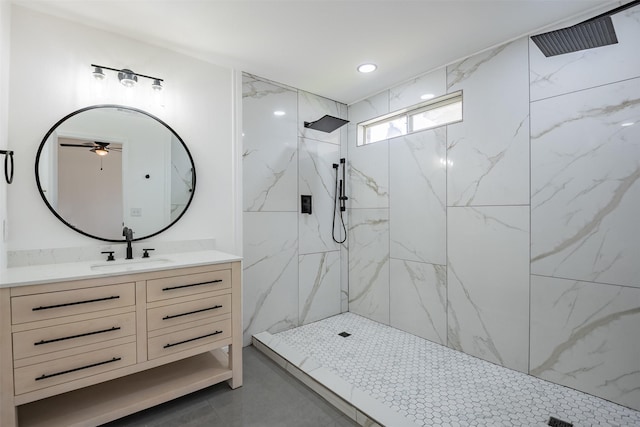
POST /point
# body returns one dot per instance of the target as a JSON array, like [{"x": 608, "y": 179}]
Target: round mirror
[{"x": 106, "y": 167}]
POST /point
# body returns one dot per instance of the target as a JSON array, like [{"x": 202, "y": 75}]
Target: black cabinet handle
[
  {"x": 194, "y": 284},
  {"x": 115, "y": 328},
  {"x": 74, "y": 303},
  {"x": 192, "y": 339},
  {"x": 173, "y": 316},
  {"x": 45, "y": 376}
]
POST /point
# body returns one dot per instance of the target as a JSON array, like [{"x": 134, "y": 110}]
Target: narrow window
[{"x": 426, "y": 115}]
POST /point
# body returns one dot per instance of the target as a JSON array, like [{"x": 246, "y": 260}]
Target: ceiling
[{"x": 316, "y": 45}]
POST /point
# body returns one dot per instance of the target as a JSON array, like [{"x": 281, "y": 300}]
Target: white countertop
[{"x": 49, "y": 273}]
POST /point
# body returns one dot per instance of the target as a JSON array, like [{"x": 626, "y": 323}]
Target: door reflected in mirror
[{"x": 103, "y": 168}]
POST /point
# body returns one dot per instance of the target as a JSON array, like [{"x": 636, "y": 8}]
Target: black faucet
[{"x": 128, "y": 235}]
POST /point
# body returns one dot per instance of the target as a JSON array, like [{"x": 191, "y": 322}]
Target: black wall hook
[{"x": 8, "y": 155}]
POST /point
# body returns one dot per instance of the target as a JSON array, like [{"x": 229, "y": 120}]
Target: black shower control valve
[
  {"x": 145, "y": 253},
  {"x": 336, "y": 166},
  {"x": 110, "y": 257},
  {"x": 305, "y": 204}
]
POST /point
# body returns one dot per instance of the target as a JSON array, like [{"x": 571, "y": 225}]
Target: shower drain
[
  {"x": 344, "y": 334},
  {"x": 555, "y": 422}
]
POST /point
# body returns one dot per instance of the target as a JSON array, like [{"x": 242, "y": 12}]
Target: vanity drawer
[
  {"x": 71, "y": 335},
  {"x": 189, "y": 284},
  {"x": 30, "y": 308},
  {"x": 176, "y": 314},
  {"x": 54, "y": 372},
  {"x": 189, "y": 337}
]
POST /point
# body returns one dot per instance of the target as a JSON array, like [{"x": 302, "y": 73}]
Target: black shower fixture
[
  {"x": 326, "y": 124},
  {"x": 595, "y": 32}
]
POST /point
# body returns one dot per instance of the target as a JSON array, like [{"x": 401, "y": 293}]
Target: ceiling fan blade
[{"x": 76, "y": 145}]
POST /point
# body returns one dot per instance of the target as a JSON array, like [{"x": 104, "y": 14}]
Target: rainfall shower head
[
  {"x": 326, "y": 124},
  {"x": 594, "y": 32}
]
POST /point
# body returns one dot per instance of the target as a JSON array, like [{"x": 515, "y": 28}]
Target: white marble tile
[
  {"x": 344, "y": 279},
  {"x": 589, "y": 68},
  {"x": 369, "y": 108},
  {"x": 270, "y": 272},
  {"x": 417, "y": 201},
  {"x": 369, "y": 263},
  {"x": 587, "y": 336},
  {"x": 270, "y": 147},
  {"x": 488, "y": 152},
  {"x": 368, "y": 176},
  {"x": 418, "y": 90},
  {"x": 317, "y": 178},
  {"x": 311, "y": 108},
  {"x": 319, "y": 286},
  {"x": 368, "y": 165},
  {"x": 488, "y": 283},
  {"x": 418, "y": 299},
  {"x": 585, "y": 185}
]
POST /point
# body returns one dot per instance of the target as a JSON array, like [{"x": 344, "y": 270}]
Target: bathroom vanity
[{"x": 85, "y": 343}]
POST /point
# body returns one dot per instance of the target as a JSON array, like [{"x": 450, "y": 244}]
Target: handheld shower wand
[{"x": 339, "y": 199}]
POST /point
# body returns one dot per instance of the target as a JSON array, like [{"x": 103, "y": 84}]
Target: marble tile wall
[
  {"x": 585, "y": 201},
  {"x": 585, "y": 184},
  {"x": 522, "y": 248},
  {"x": 488, "y": 283},
  {"x": 292, "y": 266},
  {"x": 488, "y": 152},
  {"x": 585, "y": 335}
]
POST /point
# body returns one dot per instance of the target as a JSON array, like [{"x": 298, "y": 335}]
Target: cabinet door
[
  {"x": 176, "y": 314},
  {"x": 30, "y": 308},
  {"x": 72, "y": 335},
  {"x": 186, "y": 285},
  {"x": 58, "y": 371},
  {"x": 189, "y": 337}
]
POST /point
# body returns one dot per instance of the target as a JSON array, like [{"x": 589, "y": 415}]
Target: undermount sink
[{"x": 127, "y": 265}]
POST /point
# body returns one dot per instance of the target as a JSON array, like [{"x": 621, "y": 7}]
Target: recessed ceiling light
[
  {"x": 367, "y": 68},
  {"x": 627, "y": 124},
  {"x": 279, "y": 113},
  {"x": 427, "y": 96}
]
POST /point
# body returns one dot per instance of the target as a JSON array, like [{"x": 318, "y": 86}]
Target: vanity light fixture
[
  {"x": 98, "y": 74},
  {"x": 126, "y": 77},
  {"x": 367, "y": 68}
]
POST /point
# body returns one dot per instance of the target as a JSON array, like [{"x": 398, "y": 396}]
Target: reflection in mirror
[{"x": 106, "y": 167}]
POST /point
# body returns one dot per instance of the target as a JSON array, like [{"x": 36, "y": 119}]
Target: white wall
[
  {"x": 5, "y": 25},
  {"x": 51, "y": 77}
]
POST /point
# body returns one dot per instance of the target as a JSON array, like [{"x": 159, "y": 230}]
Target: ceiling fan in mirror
[{"x": 98, "y": 147}]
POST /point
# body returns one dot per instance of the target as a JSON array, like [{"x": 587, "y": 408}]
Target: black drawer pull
[
  {"x": 194, "y": 284},
  {"x": 44, "y": 377},
  {"x": 115, "y": 328},
  {"x": 46, "y": 307},
  {"x": 192, "y": 339},
  {"x": 173, "y": 316}
]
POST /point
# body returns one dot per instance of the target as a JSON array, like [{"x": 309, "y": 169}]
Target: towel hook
[{"x": 8, "y": 155}]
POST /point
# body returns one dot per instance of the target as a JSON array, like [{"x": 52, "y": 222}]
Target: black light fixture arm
[
  {"x": 8, "y": 159},
  {"x": 132, "y": 72}
]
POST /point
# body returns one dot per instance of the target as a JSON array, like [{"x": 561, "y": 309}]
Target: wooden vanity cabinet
[{"x": 86, "y": 352}]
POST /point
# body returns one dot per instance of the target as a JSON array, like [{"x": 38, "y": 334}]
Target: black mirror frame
[{"x": 92, "y": 107}]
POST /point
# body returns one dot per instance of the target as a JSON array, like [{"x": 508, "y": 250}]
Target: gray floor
[{"x": 269, "y": 397}]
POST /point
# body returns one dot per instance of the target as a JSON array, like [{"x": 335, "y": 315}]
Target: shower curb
[{"x": 353, "y": 402}]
